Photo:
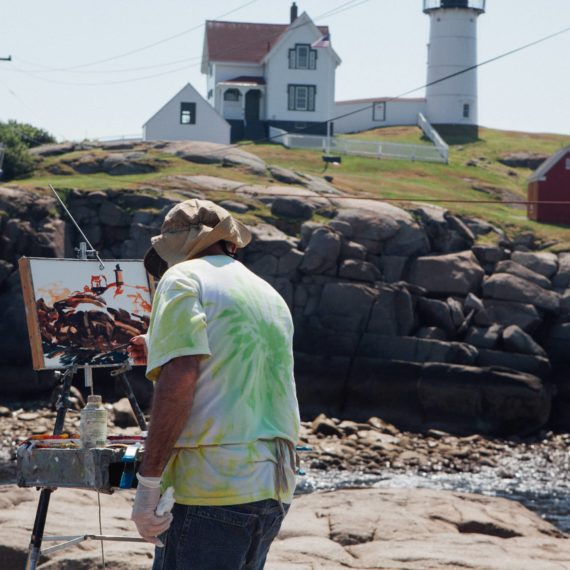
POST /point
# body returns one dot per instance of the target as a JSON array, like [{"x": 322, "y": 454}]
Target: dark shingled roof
[{"x": 243, "y": 42}]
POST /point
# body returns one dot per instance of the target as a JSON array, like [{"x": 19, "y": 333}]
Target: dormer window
[{"x": 302, "y": 57}]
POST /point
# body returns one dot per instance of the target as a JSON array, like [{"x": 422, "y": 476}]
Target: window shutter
[
  {"x": 292, "y": 59},
  {"x": 291, "y": 98},
  {"x": 311, "y": 95}
]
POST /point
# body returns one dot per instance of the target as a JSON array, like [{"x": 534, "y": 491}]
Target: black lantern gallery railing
[{"x": 478, "y": 5}]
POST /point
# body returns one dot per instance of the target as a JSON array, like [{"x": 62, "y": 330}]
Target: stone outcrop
[{"x": 372, "y": 285}]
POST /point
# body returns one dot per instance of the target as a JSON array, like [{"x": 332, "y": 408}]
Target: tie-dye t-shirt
[{"x": 245, "y": 395}]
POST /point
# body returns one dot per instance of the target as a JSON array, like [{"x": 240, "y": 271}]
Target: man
[{"x": 225, "y": 417}]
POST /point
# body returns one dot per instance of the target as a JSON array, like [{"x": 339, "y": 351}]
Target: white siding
[
  {"x": 278, "y": 76},
  {"x": 452, "y": 48},
  {"x": 165, "y": 124},
  {"x": 360, "y": 115}
]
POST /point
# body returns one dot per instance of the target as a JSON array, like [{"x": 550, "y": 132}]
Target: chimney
[{"x": 293, "y": 12}]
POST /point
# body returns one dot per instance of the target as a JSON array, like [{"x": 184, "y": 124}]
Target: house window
[
  {"x": 466, "y": 110},
  {"x": 210, "y": 93},
  {"x": 379, "y": 112},
  {"x": 232, "y": 95},
  {"x": 301, "y": 97},
  {"x": 187, "y": 113},
  {"x": 302, "y": 57}
]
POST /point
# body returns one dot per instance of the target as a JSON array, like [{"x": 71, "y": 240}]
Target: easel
[{"x": 34, "y": 550}]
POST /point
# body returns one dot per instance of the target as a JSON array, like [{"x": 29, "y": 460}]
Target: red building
[{"x": 550, "y": 182}]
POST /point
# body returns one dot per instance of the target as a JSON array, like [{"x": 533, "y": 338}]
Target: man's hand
[
  {"x": 148, "y": 523},
  {"x": 137, "y": 350}
]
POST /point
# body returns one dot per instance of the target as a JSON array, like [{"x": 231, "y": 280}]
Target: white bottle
[{"x": 93, "y": 423}]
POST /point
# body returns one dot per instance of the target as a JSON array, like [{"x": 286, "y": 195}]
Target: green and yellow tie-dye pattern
[{"x": 245, "y": 396}]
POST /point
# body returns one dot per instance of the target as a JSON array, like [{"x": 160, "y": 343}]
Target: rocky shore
[{"x": 379, "y": 528}]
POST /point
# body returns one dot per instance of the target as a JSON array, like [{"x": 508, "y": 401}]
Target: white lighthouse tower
[{"x": 451, "y": 104}]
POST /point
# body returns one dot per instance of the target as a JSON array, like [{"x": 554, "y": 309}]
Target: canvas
[{"x": 80, "y": 314}]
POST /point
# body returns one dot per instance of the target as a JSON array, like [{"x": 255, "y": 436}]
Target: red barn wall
[{"x": 556, "y": 188}]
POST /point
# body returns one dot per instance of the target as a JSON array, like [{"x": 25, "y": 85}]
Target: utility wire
[{"x": 76, "y": 69}]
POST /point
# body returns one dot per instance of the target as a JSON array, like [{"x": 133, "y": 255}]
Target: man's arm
[{"x": 173, "y": 396}]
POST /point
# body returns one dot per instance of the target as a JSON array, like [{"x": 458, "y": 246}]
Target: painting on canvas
[{"x": 78, "y": 313}]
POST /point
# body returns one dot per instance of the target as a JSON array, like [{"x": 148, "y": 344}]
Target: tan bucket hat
[{"x": 188, "y": 229}]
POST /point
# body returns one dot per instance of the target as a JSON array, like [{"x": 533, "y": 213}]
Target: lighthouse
[{"x": 451, "y": 104}]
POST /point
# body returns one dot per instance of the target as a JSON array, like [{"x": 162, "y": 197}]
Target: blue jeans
[{"x": 234, "y": 537}]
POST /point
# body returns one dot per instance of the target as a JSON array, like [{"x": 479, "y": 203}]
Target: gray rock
[
  {"x": 296, "y": 208},
  {"x": 54, "y": 149},
  {"x": 557, "y": 342},
  {"x": 289, "y": 263},
  {"x": 456, "y": 311},
  {"x": 436, "y": 313},
  {"x": 432, "y": 333},
  {"x": 112, "y": 215},
  {"x": 125, "y": 164},
  {"x": 318, "y": 185},
  {"x": 343, "y": 228},
  {"x": 504, "y": 313},
  {"x": 307, "y": 230},
  {"x": 351, "y": 250},
  {"x": 487, "y": 400},
  {"x": 514, "y": 268},
  {"x": 359, "y": 271},
  {"x": 347, "y": 298},
  {"x": 268, "y": 239},
  {"x": 412, "y": 349},
  {"x": 322, "y": 251},
  {"x": 484, "y": 337},
  {"x": 562, "y": 277},
  {"x": 392, "y": 312},
  {"x": 123, "y": 414},
  {"x": 6, "y": 269},
  {"x": 516, "y": 340},
  {"x": 368, "y": 229},
  {"x": 544, "y": 263},
  {"x": 285, "y": 175},
  {"x": 410, "y": 240},
  {"x": 473, "y": 303},
  {"x": 263, "y": 264},
  {"x": 507, "y": 287},
  {"x": 393, "y": 267},
  {"x": 452, "y": 274},
  {"x": 489, "y": 253},
  {"x": 536, "y": 365},
  {"x": 233, "y": 206},
  {"x": 523, "y": 160}
]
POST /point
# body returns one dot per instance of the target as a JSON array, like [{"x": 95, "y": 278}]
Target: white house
[
  {"x": 187, "y": 116},
  {"x": 283, "y": 75}
]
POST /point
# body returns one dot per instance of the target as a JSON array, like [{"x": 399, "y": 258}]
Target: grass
[{"x": 473, "y": 174}]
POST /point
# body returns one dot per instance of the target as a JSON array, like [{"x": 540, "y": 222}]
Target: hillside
[{"x": 474, "y": 173}]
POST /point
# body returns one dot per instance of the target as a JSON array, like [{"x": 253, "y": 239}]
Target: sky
[{"x": 101, "y": 69}]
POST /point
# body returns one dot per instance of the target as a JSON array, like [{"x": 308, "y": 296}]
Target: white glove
[{"x": 148, "y": 523}]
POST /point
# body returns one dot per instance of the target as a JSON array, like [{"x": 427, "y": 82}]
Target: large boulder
[
  {"x": 516, "y": 340},
  {"x": 413, "y": 349},
  {"x": 322, "y": 252},
  {"x": 537, "y": 365},
  {"x": 507, "y": 313},
  {"x": 508, "y": 287},
  {"x": 514, "y": 268},
  {"x": 446, "y": 232},
  {"x": 483, "y": 400},
  {"x": 452, "y": 274},
  {"x": 544, "y": 263},
  {"x": 392, "y": 312}
]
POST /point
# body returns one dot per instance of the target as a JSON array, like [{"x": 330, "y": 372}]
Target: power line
[
  {"x": 76, "y": 69},
  {"x": 153, "y": 44}
]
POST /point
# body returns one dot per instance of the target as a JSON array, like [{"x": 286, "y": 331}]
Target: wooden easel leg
[{"x": 34, "y": 549}]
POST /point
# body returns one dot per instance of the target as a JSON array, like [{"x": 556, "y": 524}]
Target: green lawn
[{"x": 473, "y": 174}]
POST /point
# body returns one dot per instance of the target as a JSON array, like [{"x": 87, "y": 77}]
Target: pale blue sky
[{"x": 53, "y": 80}]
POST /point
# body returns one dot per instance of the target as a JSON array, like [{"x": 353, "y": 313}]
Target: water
[{"x": 546, "y": 492}]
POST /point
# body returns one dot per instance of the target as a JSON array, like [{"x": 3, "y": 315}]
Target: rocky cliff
[{"x": 399, "y": 313}]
